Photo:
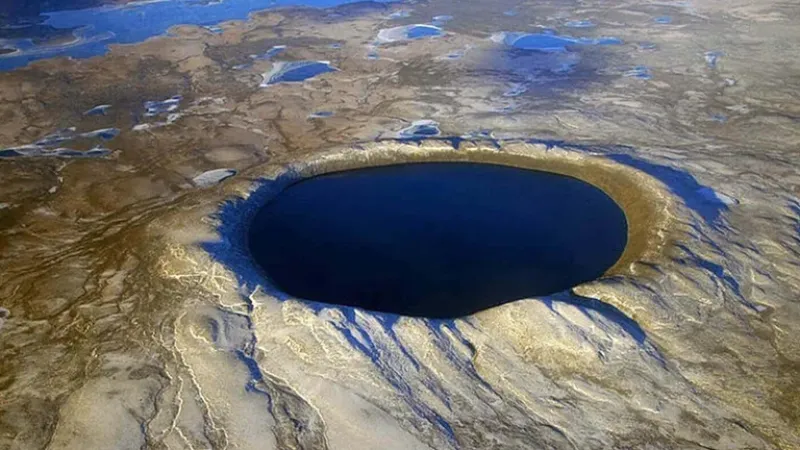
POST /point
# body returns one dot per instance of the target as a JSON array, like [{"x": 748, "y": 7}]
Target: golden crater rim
[{"x": 646, "y": 203}]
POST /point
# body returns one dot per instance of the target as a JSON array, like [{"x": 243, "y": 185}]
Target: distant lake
[{"x": 83, "y": 28}]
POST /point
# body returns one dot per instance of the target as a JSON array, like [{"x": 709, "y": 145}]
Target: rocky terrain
[{"x": 131, "y": 318}]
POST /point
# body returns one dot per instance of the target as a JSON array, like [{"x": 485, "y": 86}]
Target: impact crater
[{"x": 438, "y": 235}]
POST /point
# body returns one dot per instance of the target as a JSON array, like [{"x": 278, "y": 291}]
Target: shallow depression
[{"x": 436, "y": 240}]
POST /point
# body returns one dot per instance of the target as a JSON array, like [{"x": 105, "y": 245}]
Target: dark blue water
[
  {"x": 420, "y": 129},
  {"x": 96, "y": 27},
  {"x": 419, "y": 32},
  {"x": 297, "y": 71},
  {"x": 437, "y": 239},
  {"x": 549, "y": 42}
]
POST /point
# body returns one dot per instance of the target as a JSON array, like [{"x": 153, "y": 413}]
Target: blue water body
[
  {"x": 320, "y": 115},
  {"x": 99, "y": 110},
  {"x": 545, "y": 63},
  {"x": 296, "y": 71},
  {"x": 69, "y": 134},
  {"x": 105, "y": 134},
  {"x": 420, "y": 129},
  {"x": 663, "y": 20},
  {"x": 98, "y": 27},
  {"x": 542, "y": 42},
  {"x": 58, "y": 137},
  {"x": 550, "y": 42},
  {"x": 435, "y": 239},
  {"x": 156, "y": 107},
  {"x": 41, "y": 152},
  {"x": 408, "y": 32},
  {"x": 53, "y": 145},
  {"x": 235, "y": 216},
  {"x": 418, "y": 32}
]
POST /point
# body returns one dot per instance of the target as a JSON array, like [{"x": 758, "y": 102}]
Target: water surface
[{"x": 436, "y": 239}]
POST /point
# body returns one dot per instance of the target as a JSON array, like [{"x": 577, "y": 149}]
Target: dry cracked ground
[{"x": 120, "y": 329}]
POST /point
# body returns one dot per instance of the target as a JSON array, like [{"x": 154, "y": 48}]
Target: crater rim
[{"x": 646, "y": 203}]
